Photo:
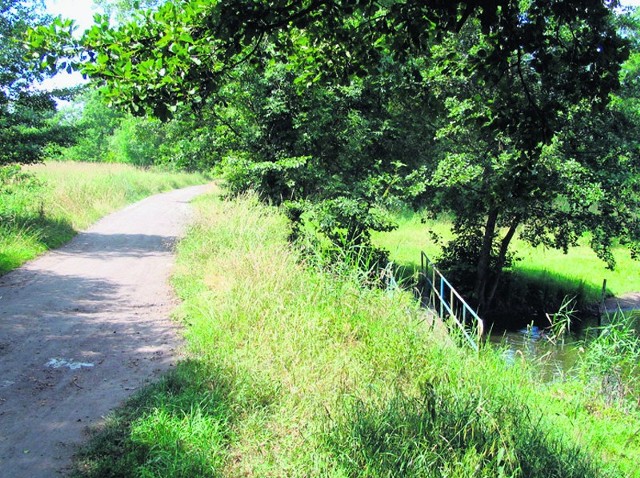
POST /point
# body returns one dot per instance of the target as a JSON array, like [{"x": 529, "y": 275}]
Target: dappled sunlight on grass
[
  {"x": 177, "y": 427},
  {"x": 582, "y": 264},
  {"x": 412, "y": 236}
]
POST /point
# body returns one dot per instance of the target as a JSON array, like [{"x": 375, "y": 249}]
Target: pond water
[{"x": 553, "y": 359}]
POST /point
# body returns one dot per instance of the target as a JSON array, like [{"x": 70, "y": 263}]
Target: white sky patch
[
  {"x": 62, "y": 80},
  {"x": 82, "y": 11}
]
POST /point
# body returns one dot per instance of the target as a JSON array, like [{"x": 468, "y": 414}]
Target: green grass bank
[
  {"x": 43, "y": 206},
  {"x": 293, "y": 371},
  {"x": 539, "y": 276}
]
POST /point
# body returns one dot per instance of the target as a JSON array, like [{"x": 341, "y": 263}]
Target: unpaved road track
[
  {"x": 625, "y": 303},
  {"x": 82, "y": 328}
]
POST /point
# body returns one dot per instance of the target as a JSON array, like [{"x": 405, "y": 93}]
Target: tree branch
[
  {"x": 502, "y": 257},
  {"x": 531, "y": 100}
]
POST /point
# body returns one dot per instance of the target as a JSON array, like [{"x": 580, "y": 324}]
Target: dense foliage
[
  {"x": 26, "y": 114},
  {"x": 499, "y": 113},
  {"x": 531, "y": 144}
]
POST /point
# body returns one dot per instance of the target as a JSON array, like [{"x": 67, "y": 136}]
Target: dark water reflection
[{"x": 552, "y": 357}]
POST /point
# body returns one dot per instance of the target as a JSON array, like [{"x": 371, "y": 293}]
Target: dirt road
[
  {"x": 625, "y": 303},
  {"x": 82, "y": 328}
]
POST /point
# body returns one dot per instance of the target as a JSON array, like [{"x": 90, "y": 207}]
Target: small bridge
[{"x": 445, "y": 301}]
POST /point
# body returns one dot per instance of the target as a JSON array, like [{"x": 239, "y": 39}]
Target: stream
[{"x": 553, "y": 359}]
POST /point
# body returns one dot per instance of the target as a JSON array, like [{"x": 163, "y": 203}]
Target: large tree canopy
[
  {"x": 531, "y": 142},
  {"x": 181, "y": 52},
  {"x": 518, "y": 95}
]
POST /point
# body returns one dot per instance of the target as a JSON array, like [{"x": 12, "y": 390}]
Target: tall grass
[
  {"x": 612, "y": 359},
  {"x": 43, "y": 206},
  {"x": 296, "y": 371}
]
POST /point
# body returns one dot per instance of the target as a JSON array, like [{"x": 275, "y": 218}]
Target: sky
[{"x": 82, "y": 12}]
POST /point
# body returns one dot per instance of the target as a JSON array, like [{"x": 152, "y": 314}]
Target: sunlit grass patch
[
  {"x": 320, "y": 376},
  {"x": 43, "y": 206},
  {"x": 84, "y": 192},
  {"x": 565, "y": 271},
  {"x": 177, "y": 427},
  {"x": 313, "y": 344}
]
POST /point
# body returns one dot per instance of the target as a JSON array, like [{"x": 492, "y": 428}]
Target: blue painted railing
[{"x": 449, "y": 304}]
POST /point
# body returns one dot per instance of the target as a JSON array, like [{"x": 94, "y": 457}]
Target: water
[{"x": 552, "y": 359}]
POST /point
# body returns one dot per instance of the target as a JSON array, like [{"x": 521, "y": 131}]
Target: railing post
[
  {"x": 441, "y": 297},
  {"x": 438, "y": 292},
  {"x": 602, "y": 307},
  {"x": 451, "y": 304},
  {"x": 433, "y": 282}
]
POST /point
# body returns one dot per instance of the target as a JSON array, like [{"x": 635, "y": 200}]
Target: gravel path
[{"x": 82, "y": 328}]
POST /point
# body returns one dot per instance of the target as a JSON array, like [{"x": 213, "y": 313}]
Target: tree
[
  {"x": 528, "y": 133},
  {"x": 182, "y": 52},
  {"x": 310, "y": 138},
  {"x": 26, "y": 125},
  {"x": 343, "y": 153},
  {"x": 96, "y": 123},
  {"x": 531, "y": 143}
]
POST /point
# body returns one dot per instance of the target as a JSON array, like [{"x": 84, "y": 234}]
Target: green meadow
[{"x": 542, "y": 265}]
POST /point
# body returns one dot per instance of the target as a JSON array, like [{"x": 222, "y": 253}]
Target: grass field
[
  {"x": 44, "y": 206},
  {"x": 293, "y": 371},
  {"x": 569, "y": 270}
]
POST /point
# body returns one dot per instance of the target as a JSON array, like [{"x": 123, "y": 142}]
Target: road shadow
[
  {"x": 71, "y": 348},
  {"x": 41, "y": 231},
  {"x": 100, "y": 245},
  {"x": 149, "y": 435}
]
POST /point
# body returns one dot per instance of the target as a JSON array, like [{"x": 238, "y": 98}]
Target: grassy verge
[
  {"x": 43, "y": 206},
  {"x": 547, "y": 268},
  {"x": 299, "y": 372}
]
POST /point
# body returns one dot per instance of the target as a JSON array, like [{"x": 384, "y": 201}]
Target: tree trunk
[
  {"x": 484, "y": 260},
  {"x": 502, "y": 257}
]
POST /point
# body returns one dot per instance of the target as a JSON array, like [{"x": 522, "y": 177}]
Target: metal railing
[{"x": 449, "y": 304}]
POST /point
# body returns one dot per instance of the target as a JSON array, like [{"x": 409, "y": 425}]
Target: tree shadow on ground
[
  {"x": 39, "y": 232},
  {"x": 534, "y": 296},
  {"x": 179, "y": 426},
  {"x": 406, "y": 274},
  {"x": 443, "y": 434}
]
